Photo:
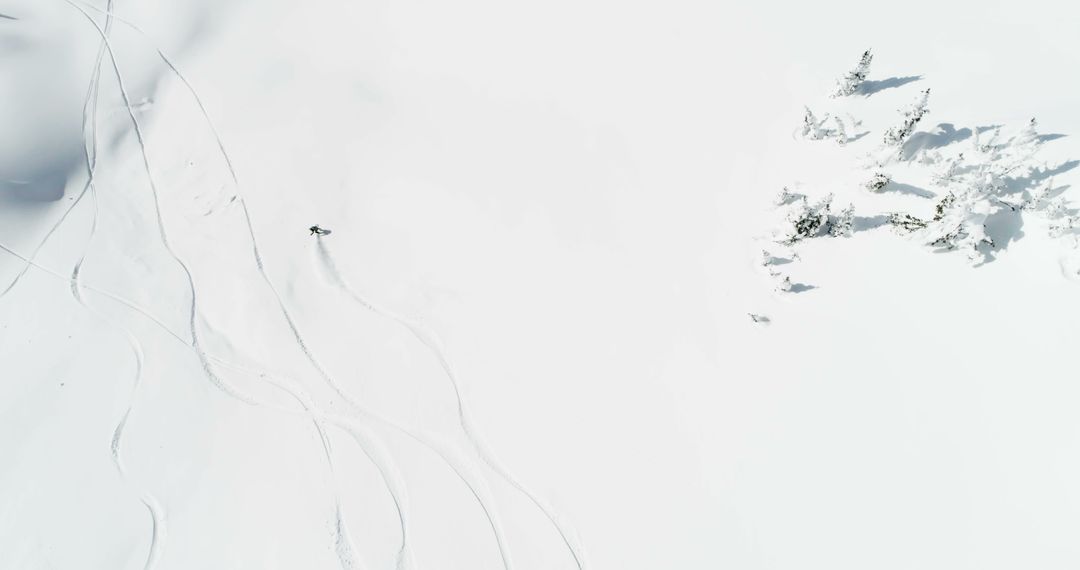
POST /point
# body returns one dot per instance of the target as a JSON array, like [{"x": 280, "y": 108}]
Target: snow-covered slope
[{"x": 526, "y": 342}]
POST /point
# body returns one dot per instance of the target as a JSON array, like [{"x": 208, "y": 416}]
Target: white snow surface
[{"x": 540, "y": 335}]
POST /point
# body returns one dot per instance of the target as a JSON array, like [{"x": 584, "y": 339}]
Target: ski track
[
  {"x": 33, "y": 255},
  {"x": 162, "y": 233},
  {"x": 309, "y": 410},
  {"x": 152, "y": 505},
  {"x": 343, "y": 547},
  {"x": 298, "y": 337},
  {"x": 397, "y": 494},
  {"x": 251, "y": 232},
  {"x": 90, "y": 148},
  {"x": 387, "y": 477},
  {"x": 432, "y": 343}
]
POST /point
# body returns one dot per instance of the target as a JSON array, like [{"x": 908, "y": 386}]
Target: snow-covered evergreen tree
[
  {"x": 950, "y": 173},
  {"x": 878, "y": 182},
  {"x": 914, "y": 113},
  {"x": 928, "y": 157},
  {"x": 986, "y": 145},
  {"x": 1015, "y": 158},
  {"x": 852, "y": 80},
  {"x": 817, "y": 220},
  {"x": 1040, "y": 198},
  {"x": 906, "y": 221},
  {"x": 808, "y": 221},
  {"x": 813, "y": 128},
  {"x": 787, "y": 197},
  {"x": 943, "y": 205},
  {"x": 840, "y": 134},
  {"x": 960, "y": 221},
  {"x": 1062, "y": 219},
  {"x": 843, "y": 224},
  {"x": 1028, "y": 138}
]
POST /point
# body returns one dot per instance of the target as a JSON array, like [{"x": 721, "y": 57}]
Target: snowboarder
[{"x": 317, "y": 231}]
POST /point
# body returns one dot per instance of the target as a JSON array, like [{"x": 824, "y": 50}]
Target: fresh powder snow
[{"x": 553, "y": 286}]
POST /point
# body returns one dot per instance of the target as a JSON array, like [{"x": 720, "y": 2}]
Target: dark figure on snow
[{"x": 317, "y": 231}]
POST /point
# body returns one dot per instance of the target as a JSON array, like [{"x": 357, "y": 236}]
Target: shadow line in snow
[
  {"x": 944, "y": 134},
  {"x": 857, "y": 137},
  {"x": 902, "y": 188},
  {"x": 866, "y": 223},
  {"x": 1050, "y": 137},
  {"x": 872, "y": 86},
  {"x": 1021, "y": 183}
]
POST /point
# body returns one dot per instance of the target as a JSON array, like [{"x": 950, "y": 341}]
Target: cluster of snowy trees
[
  {"x": 816, "y": 220},
  {"x": 828, "y": 127},
  {"x": 804, "y": 220},
  {"x": 991, "y": 177},
  {"x": 996, "y": 174}
]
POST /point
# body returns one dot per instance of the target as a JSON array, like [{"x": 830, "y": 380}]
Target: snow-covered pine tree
[
  {"x": 812, "y": 128},
  {"x": 943, "y": 205},
  {"x": 1017, "y": 154},
  {"x": 852, "y": 80},
  {"x": 787, "y": 197},
  {"x": 840, "y": 134},
  {"x": 951, "y": 172},
  {"x": 906, "y": 222},
  {"x": 809, "y": 221},
  {"x": 878, "y": 182},
  {"x": 987, "y": 145},
  {"x": 1062, "y": 220},
  {"x": 960, "y": 221},
  {"x": 766, "y": 258},
  {"x": 928, "y": 157},
  {"x": 843, "y": 224},
  {"x": 914, "y": 113},
  {"x": 1040, "y": 198},
  {"x": 1029, "y": 135}
]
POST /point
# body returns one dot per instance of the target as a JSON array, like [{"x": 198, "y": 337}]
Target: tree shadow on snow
[
  {"x": 1057, "y": 191},
  {"x": 801, "y": 287},
  {"x": 857, "y": 137},
  {"x": 1021, "y": 183},
  {"x": 865, "y": 223},
  {"x": 942, "y": 135},
  {"x": 1004, "y": 227},
  {"x": 902, "y": 188},
  {"x": 870, "y": 87}
]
